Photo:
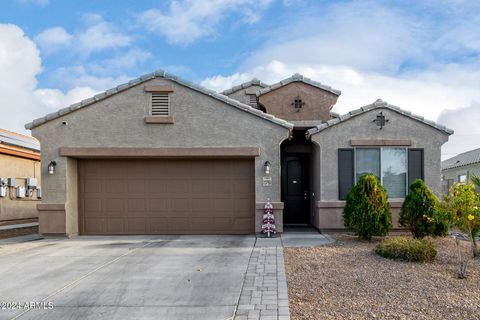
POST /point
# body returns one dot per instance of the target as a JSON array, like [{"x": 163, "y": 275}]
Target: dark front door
[{"x": 296, "y": 189}]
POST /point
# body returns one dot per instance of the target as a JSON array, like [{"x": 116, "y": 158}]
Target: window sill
[{"x": 159, "y": 119}]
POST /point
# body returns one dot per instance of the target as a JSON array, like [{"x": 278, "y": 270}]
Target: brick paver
[{"x": 264, "y": 294}]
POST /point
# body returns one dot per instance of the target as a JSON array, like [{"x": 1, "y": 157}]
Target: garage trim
[{"x": 237, "y": 152}]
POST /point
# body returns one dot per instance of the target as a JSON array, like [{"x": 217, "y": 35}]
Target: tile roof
[
  {"x": 298, "y": 78},
  {"x": 19, "y": 140},
  {"x": 462, "y": 159},
  {"x": 377, "y": 105},
  {"x": 253, "y": 82},
  {"x": 144, "y": 78}
]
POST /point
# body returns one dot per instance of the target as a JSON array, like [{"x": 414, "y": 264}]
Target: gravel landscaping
[{"x": 347, "y": 280}]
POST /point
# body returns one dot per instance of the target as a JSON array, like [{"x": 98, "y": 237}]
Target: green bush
[
  {"x": 407, "y": 249},
  {"x": 367, "y": 211},
  {"x": 419, "y": 212}
]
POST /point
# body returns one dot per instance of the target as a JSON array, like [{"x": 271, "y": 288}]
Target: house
[
  {"x": 161, "y": 155},
  {"x": 460, "y": 168},
  {"x": 19, "y": 178}
]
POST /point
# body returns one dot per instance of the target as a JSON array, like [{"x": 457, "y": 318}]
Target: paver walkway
[{"x": 264, "y": 293}]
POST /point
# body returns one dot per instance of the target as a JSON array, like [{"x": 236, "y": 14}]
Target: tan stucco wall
[
  {"x": 118, "y": 121},
  {"x": 317, "y": 106},
  {"x": 12, "y": 208},
  {"x": 361, "y": 127}
]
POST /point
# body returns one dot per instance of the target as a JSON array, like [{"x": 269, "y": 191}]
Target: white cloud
[
  {"x": 190, "y": 20},
  {"x": 98, "y": 35},
  {"x": 52, "y": 39},
  {"x": 20, "y": 99},
  {"x": 465, "y": 122},
  {"x": 125, "y": 61}
]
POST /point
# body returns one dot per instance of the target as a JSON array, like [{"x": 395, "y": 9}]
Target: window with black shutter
[
  {"x": 345, "y": 172},
  {"x": 415, "y": 165}
]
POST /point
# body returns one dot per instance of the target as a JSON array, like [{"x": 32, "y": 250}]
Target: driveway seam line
[
  {"x": 243, "y": 282},
  {"x": 75, "y": 282}
]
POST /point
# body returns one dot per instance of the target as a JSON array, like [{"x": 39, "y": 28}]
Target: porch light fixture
[
  {"x": 51, "y": 167},
  {"x": 266, "y": 167},
  {"x": 380, "y": 120}
]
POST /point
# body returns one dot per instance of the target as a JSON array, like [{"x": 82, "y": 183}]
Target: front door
[{"x": 296, "y": 189}]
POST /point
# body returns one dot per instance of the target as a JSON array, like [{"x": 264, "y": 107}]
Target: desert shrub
[
  {"x": 367, "y": 211},
  {"x": 462, "y": 204},
  {"x": 407, "y": 249},
  {"x": 419, "y": 212}
]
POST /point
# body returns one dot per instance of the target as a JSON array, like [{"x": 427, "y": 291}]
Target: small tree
[
  {"x": 461, "y": 203},
  {"x": 367, "y": 211},
  {"x": 419, "y": 212}
]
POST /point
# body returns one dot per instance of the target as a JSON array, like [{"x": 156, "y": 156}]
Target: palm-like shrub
[
  {"x": 419, "y": 212},
  {"x": 367, "y": 211}
]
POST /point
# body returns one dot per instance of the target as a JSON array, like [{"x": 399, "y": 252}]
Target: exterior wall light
[
  {"x": 51, "y": 167},
  {"x": 266, "y": 167}
]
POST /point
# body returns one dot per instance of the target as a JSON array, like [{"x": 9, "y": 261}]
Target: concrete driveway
[{"x": 128, "y": 277}]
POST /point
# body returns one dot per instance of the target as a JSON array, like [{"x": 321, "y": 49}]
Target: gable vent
[
  {"x": 160, "y": 104},
  {"x": 253, "y": 100}
]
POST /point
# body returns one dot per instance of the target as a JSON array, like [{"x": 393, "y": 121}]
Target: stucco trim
[
  {"x": 330, "y": 204},
  {"x": 165, "y": 88},
  {"x": 81, "y": 152},
  {"x": 379, "y": 104},
  {"x": 381, "y": 142},
  {"x": 51, "y": 207},
  {"x": 159, "y": 119},
  {"x": 276, "y": 205},
  {"x": 163, "y": 75},
  {"x": 341, "y": 204}
]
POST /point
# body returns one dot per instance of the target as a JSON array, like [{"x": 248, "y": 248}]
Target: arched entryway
[{"x": 296, "y": 174}]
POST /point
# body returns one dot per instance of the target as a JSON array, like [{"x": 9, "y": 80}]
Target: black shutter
[
  {"x": 345, "y": 172},
  {"x": 415, "y": 165}
]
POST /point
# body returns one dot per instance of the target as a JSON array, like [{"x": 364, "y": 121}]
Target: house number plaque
[{"x": 267, "y": 181}]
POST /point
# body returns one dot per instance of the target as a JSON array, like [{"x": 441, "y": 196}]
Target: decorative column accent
[{"x": 268, "y": 226}]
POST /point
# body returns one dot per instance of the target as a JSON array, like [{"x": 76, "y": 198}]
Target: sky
[{"x": 423, "y": 56}]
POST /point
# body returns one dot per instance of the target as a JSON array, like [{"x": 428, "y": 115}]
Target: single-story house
[
  {"x": 19, "y": 178},
  {"x": 460, "y": 168},
  {"x": 161, "y": 155}
]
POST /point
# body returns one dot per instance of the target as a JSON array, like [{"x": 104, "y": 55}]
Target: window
[
  {"x": 389, "y": 165},
  {"x": 160, "y": 104},
  {"x": 396, "y": 168},
  {"x": 462, "y": 178}
]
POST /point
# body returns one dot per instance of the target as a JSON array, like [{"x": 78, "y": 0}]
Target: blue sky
[{"x": 423, "y": 56}]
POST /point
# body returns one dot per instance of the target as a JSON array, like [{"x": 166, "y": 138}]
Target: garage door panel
[
  {"x": 136, "y": 205},
  {"x": 92, "y": 206},
  {"x": 166, "y": 196},
  {"x": 115, "y": 225},
  {"x": 136, "y": 225},
  {"x": 115, "y": 186},
  {"x": 158, "y": 225},
  {"x": 115, "y": 206},
  {"x": 157, "y": 205}
]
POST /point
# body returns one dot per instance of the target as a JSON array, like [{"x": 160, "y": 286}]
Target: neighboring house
[
  {"x": 460, "y": 168},
  {"x": 19, "y": 178},
  {"x": 160, "y": 155}
]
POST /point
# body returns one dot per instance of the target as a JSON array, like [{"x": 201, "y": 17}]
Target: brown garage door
[{"x": 166, "y": 196}]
